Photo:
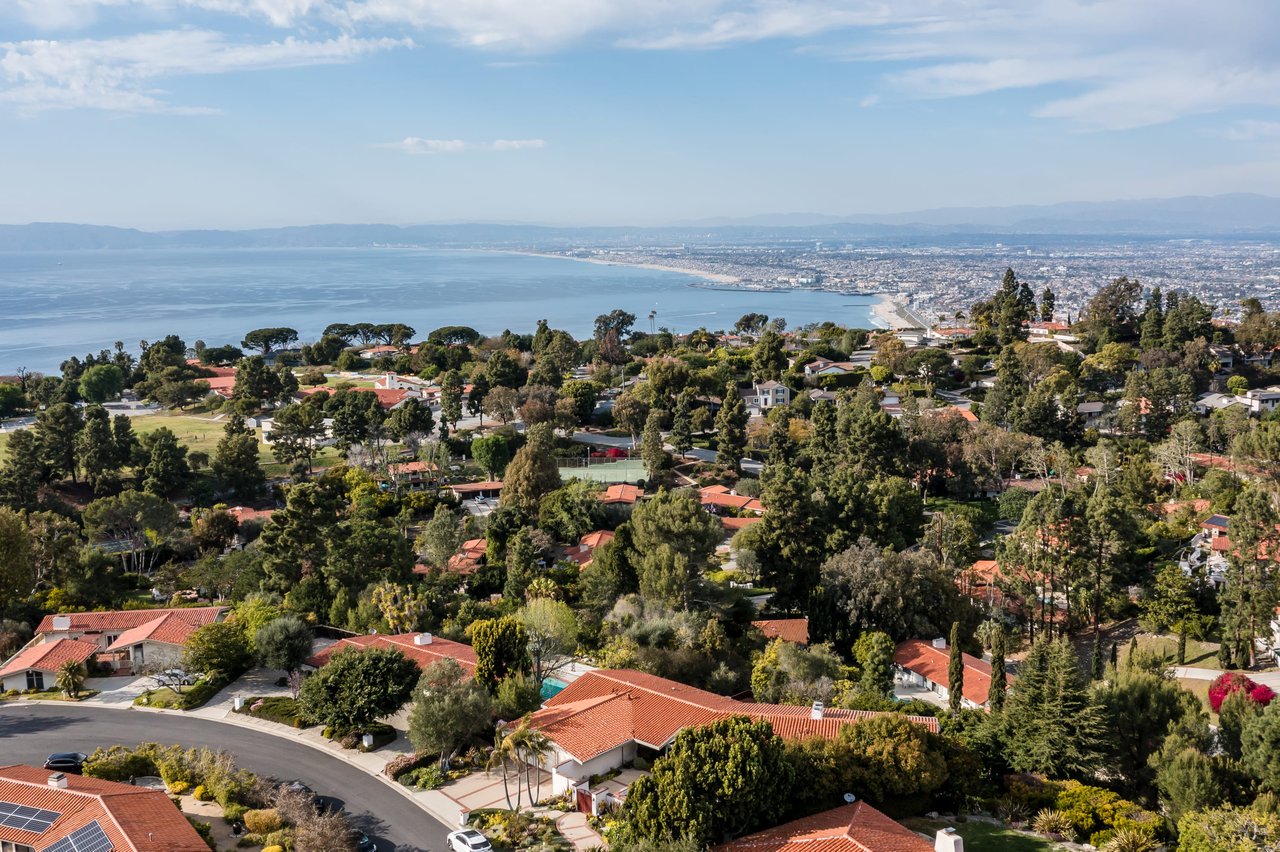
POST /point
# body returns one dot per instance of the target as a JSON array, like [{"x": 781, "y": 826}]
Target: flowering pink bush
[
  {"x": 1229, "y": 682},
  {"x": 1261, "y": 694}
]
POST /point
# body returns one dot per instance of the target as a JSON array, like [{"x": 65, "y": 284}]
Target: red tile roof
[
  {"x": 423, "y": 655},
  {"x": 469, "y": 559},
  {"x": 718, "y": 495},
  {"x": 134, "y": 819},
  {"x": 49, "y": 656},
  {"x": 604, "y": 708},
  {"x": 243, "y": 513},
  {"x": 849, "y": 828},
  {"x": 788, "y": 629},
  {"x": 921, "y": 657},
  {"x": 621, "y": 494},
  {"x": 476, "y": 487},
  {"x": 127, "y": 619},
  {"x": 735, "y": 524},
  {"x": 169, "y": 628}
]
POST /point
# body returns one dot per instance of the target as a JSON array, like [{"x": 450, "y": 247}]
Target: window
[{"x": 35, "y": 679}]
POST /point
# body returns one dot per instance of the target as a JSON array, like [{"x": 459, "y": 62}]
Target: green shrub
[
  {"x": 200, "y": 794},
  {"x": 199, "y": 693},
  {"x": 263, "y": 821},
  {"x": 177, "y": 788},
  {"x": 234, "y": 812},
  {"x": 273, "y": 848},
  {"x": 205, "y": 831},
  {"x": 119, "y": 763},
  {"x": 641, "y": 764},
  {"x": 282, "y": 839}
]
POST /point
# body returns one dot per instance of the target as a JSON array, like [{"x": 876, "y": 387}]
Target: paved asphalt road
[{"x": 30, "y": 732}]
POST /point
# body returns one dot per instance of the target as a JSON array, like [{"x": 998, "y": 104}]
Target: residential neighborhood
[{"x": 981, "y": 585}]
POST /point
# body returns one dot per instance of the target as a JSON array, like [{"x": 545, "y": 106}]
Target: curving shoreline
[{"x": 717, "y": 277}]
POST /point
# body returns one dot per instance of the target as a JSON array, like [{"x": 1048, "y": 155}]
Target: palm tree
[
  {"x": 535, "y": 746},
  {"x": 499, "y": 758},
  {"x": 70, "y": 678}
]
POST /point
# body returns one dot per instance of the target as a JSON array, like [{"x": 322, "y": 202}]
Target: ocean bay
[{"x": 57, "y": 304}]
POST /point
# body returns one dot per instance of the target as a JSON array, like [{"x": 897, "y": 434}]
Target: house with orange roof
[
  {"x": 423, "y": 648},
  {"x": 413, "y": 475},
  {"x": 856, "y": 827},
  {"x": 787, "y": 629},
  {"x": 42, "y": 811},
  {"x": 36, "y": 665},
  {"x": 717, "y": 498},
  {"x": 489, "y": 489},
  {"x": 583, "y": 553},
  {"x": 732, "y": 525},
  {"x": 469, "y": 559},
  {"x": 621, "y": 494},
  {"x": 122, "y": 639},
  {"x": 928, "y": 664},
  {"x": 606, "y": 717}
]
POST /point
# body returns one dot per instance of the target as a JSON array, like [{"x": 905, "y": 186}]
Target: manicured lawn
[
  {"x": 984, "y": 836},
  {"x": 1204, "y": 654},
  {"x": 50, "y": 695}
]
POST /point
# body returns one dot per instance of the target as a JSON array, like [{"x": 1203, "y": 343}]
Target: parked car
[
  {"x": 321, "y": 804},
  {"x": 174, "y": 676},
  {"x": 363, "y": 843},
  {"x": 469, "y": 840},
  {"x": 66, "y": 761}
]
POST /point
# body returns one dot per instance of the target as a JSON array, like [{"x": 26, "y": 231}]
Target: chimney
[
  {"x": 940, "y": 643},
  {"x": 58, "y": 780},
  {"x": 422, "y": 639},
  {"x": 948, "y": 841},
  {"x": 816, "y": 711},
  {"x": 62, "y": 622}
]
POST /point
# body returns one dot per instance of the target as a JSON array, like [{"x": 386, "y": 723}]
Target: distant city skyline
[{"x": 164, "y": 114}]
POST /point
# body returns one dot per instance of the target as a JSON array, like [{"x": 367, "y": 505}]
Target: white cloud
[
  {"x": 117, "y": 74},
  {"x": 1104, "y": 63},
  {"x": 1250, "y": 130},
  {"x": 418, "y": 145}
]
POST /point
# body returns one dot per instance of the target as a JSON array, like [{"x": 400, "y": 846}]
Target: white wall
[{"x": 569, "y": 773}]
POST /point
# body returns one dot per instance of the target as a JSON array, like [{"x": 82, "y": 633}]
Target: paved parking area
[{"x": 117, "y": 691}]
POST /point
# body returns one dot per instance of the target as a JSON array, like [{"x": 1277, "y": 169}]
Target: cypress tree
[
  {"x": 955, "y": 675},
  {"x": 1096, "y": 663},
  {"x": 995, "y": 695},
  {"x": 1133, "y": 649}
]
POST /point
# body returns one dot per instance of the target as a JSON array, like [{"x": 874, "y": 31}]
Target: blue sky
[{"x": 245, "y": 113}]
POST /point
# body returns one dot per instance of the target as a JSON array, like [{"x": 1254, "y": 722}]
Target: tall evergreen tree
[
  {"x": 823, "y": 447},
  {"x": 731, "y": 429},
  {"x": 1047, "y": 303},
  {"x": 1252, "y": 591},
  {"x": 955, "y": 671},
  {"x": 996, "y": 692},
  {"x": 235, "y": 460},
  {"x": 56, "y": 429},
  {"x": 682, "y": 423},
  {"x": 1052, "y": 727},
  {"x": 22, "y": 471},
  {"x": 652, "y": 451},
  {"x": 166, "y": 469},
  {"x": 125, "y": 440},
  {"x": 96, "y": 451},
  {"x": 533, "y": 471}
]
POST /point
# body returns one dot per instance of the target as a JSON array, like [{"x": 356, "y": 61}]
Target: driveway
[
  {"x": 117, "y": 691},
  {"x": 30, "y": 732}
]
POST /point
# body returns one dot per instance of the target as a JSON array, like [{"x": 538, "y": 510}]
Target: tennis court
[{"x": 608, "y": 472}]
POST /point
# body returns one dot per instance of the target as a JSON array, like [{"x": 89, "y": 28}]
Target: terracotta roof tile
[
  {"x": 789, "y": 629},
  {"x": 935, "y": 664},
  {"x": 169, "y": 628},
  {"x": 49, "y": 656},
  {"x": 607, "y": 707},
  {"x": 423, "y": 655},
  {"x": 126, "y": 619},
  {"x": 134, "y": 819},
  {"x": 621, "y": 494},
  {"x": 849, "y": 828}
]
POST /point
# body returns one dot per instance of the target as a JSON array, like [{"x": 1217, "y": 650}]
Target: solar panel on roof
[
  {"x": 90, "y": 838},
  {"x": 26, "y": 818}
]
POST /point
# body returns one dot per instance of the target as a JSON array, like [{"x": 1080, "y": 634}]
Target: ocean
[{"x": 57, "y": 304}]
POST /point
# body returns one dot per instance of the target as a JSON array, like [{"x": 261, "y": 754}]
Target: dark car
[
  {"x": 363, "y": 843},
  {"x": 322, "y": 804},
  {"x": 66, "y": 761}
]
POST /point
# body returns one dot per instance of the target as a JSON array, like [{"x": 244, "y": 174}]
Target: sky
[{"x": 255, "y": 113}]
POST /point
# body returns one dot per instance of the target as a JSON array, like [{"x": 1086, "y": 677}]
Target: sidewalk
[{"x": 1271, "y": 679}]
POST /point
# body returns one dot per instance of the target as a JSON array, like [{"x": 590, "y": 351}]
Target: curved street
[{"x": 30, "y": 732}]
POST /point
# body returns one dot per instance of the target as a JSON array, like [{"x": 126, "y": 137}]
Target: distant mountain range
[{"x": 1234, "y": 215}]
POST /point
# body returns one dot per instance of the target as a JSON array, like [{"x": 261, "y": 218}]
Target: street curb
[{"x": 400, "y": 788}]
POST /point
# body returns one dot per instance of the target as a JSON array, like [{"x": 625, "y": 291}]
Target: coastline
[
  {"x": 895, "y": 315},
  {"x": 716, "y": 277}
]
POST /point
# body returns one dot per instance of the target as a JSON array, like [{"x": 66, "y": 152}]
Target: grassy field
[
  {"x": 201, "y": 434},
  {"x": 984, "y": 836},
  {"x": 1204, "y": 654},
  {"x": 1201, "y": 690}
]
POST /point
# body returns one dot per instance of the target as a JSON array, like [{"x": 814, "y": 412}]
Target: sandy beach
[
  {"x": 706, "y": 276},
  {"x": 895, "y": 315}
]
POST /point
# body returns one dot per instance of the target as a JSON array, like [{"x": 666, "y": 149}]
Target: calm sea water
[{"x": 53, "y": 305}]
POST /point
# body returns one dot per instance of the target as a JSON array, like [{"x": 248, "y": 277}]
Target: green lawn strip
[
  {"x": 984, "y": 835},
  {"x": 49, "y": 695}
]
